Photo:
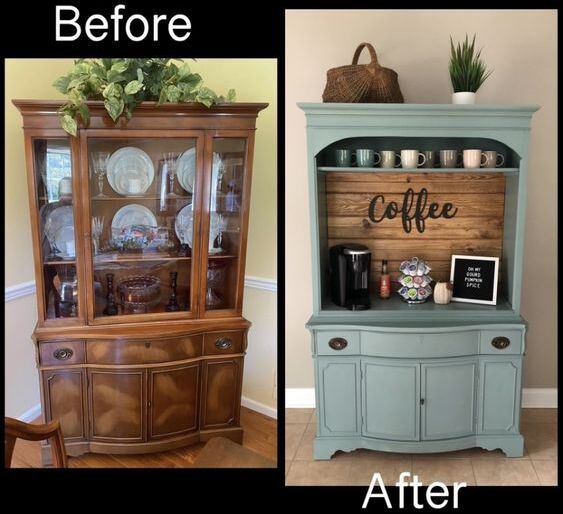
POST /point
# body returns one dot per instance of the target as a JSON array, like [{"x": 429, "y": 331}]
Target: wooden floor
[{"x": 260, "y": 435}]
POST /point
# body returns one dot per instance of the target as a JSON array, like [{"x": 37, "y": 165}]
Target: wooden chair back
[{"x": 14, "y": 429}]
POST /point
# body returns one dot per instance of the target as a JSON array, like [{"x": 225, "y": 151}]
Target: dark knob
[
  {"x": 500, "y": 342},
  {"x": 422, "y": 401},
  {"x": 231, "y": 421},
  {"x": 338, "y": 343},
  {"x": 223, "y": 343},
  {"x": 147, "y": 345},
  {"x": 63, "y": 354}
]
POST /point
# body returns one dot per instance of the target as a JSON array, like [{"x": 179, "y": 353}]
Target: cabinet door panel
[
  {"x": 338, "y": 395},
  {"x": 173, "y": 394},
  {"x": 499, "y": 395},
  {"x": 221, "y": 393},
  {"x": 448, "y": 391},
  {"x": 117, "y": 405},
  {"x": 64, "y": 393},
  {"x": 390, "y": 399}
]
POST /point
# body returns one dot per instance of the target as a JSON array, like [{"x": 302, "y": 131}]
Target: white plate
[
  {"x": 184, "y": 222},
  {"x": 64, "y": 239},
  {"x": 132, "y": 214},
  {"x": 130, "y": 163},
  {"x": 185, "y": 168},
  {"x": 57, "y": 220},
  {"x": 215, "y": 180}
]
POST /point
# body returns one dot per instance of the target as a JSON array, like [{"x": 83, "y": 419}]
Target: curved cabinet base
[
  {"x": 511, "y": 445},
  {"x": 79, "y": 448}
]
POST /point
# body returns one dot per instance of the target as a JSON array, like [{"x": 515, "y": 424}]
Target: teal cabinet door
[
  {"x": 499, "y": 395},
  {"x": 338, "y": 397},
  {"x": 390, "y": 399},
  {"x": 448, "y": 399}
]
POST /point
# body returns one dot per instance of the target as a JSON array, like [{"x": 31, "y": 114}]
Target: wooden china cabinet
[{"x": 139, "y": 232}]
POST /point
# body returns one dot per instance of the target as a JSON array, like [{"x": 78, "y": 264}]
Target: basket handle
[{"x": 371, "y": 53}]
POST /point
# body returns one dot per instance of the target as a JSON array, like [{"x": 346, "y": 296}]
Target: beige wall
[
  {"x": 255, "y": 80},
  {"x": 521, "y": 47}
]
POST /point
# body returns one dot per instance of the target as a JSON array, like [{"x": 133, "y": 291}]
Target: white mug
[
  {"x": 411, "y": 158},
  {"x": 388, "y": 159},
  {"x": 491, "y": 159},
  {"x": 473, "y": 158}
]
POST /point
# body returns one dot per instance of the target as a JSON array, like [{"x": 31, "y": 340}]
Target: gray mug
[
  {"x": 450, "y": 158},
  {"x": 343, "y": 158},
  {"x": 366, "y": 158},
  {"x": 430, "y": 158}
]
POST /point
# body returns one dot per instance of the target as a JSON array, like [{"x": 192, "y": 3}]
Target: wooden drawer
[
  {"x": 338, "y": 343},
  {"x": 61, "y": 353},
  {"x": 217, "y": 343},
  {"x": 147, "y": 351},
  {"x": 413, "y": 345},
  {"x": 501, "y": 342}
]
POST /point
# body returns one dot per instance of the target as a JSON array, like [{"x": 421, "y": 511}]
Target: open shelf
[
  {"x": 136, "y": 257},
  {"x": 354, "y": 169}
]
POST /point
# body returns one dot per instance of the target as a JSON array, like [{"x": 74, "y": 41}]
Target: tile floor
[{"x": 475, "y": 466}]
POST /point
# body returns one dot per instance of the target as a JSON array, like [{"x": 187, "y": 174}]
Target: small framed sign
[{"x": 475, "y": 279}]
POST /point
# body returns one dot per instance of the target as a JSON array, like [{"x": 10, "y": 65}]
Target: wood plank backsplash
[{"x": 476, "y": 229}]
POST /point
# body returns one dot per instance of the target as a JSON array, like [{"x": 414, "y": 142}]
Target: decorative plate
[
  {"x": 64, "y": 239},
  {"x": 132, "y": 214},
  {"x": 185, "y": 168},
  {"x": 58, "y": 219},
  {"x": 184, "y": 225},
  {"x": 130, "y": 164}
]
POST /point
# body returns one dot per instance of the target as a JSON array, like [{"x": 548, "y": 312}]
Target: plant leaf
[
  {"x": 173, "y": 93},
  {"x": 84, "y": 114},
  {"x": 133, "y": 87},
  {"x": 140, "y": 76},
  {"x": 119, "y": 66},
  {"x": 69, "y": 124},
  {"x": 231, "y": 95},
  {"x": 61, "y": 84},
  {"x": 114, "y": 106}
]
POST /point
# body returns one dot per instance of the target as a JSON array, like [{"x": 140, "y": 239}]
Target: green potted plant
[
  {"x": 467, "y": 71},
  {"x": 122, "y": 84}
]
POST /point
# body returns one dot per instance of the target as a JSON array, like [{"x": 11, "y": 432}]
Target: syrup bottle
[{"x": 385, "y": 287}]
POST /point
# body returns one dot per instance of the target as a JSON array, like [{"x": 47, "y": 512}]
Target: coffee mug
[
  {"x": 135, "y": 185},
  {"x": 430, "y": 159},
  {"x": 366, "y": 158},
  {"x": 491, "y": 159},
  {"x": 449, "y": 158},
  {"x": 473, "y": 158},
  {"x": 411, "y": 158},
  {"x": 343, "y": 157},
  {"x": 388, "y": 159}
]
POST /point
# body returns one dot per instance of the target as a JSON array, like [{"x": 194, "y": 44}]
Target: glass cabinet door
[
  {"x": 223, "y": 224},
  {"x": 53, "y": 178},
  {"x": 144, "y": 225}
]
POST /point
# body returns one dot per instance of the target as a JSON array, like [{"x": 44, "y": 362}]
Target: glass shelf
[
  {"x": 143, "y": 197},
  {"x": 59, "y": 263}
]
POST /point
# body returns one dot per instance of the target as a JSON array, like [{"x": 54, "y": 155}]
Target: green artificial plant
[
  {"x": 467, "y": 70},
  {"x": 122, "y": 84}
]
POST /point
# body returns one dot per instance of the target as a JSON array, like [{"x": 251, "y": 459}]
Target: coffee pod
[
  {"x": 406, "y": 280},
  {"x": 404, "y": 291},
  {"x": 417, "y": 281},
  {"x": 404, "y": 266},
  {"x": 413, "y": 293},
  {"x": 413, "y": 267}
]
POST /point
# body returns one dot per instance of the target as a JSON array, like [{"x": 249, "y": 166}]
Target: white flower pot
[{"x": 463, "y": 97}]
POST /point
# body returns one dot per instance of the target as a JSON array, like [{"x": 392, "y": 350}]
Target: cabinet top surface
[
  {"x": 147, "y": 108},
  {"x": 390, "y": 109}
]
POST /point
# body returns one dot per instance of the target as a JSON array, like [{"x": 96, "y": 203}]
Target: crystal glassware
[
  {"x": 171, "y": 160},
  {"x": 50, "y": 235},
  {"x": 99, "y": 166},
  {"x": 97, "y": 229}
]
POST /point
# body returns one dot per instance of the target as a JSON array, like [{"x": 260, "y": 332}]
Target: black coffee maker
[{"x": 349, "y": 276}]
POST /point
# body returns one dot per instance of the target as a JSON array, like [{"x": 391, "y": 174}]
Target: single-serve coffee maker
[{"x": 349, "y": 276}]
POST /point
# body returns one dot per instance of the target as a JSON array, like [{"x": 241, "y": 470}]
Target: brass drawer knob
[
  {"x": 338, "y": 343},
  {"x": 500, "y": 342},
  {"x": 63, "y": 354},
  {"x": 223, "y": 343}
]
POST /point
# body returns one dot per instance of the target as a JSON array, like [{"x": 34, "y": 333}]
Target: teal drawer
[
  {"x": 493, "y": 342},
  {"x": 413, "y": 345},
  {"x": 338, "y": 343}
]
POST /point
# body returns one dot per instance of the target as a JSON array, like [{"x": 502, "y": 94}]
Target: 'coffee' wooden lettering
[{"x": 418, "y": 214}]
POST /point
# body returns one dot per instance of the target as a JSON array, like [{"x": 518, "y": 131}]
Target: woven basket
[{"x": 362, "y": 83}]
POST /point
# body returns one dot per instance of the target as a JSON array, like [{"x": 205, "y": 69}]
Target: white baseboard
[
  {"x": 300, "y": 397},
  {"x": 532, "y": 398},
  {"x": 271, "y": 412},
  {"x": 538, "y": 398},
  {"x": 29, "y": 415}
]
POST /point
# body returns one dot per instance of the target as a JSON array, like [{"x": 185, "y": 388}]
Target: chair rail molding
[{"x": 28, "y": 288}]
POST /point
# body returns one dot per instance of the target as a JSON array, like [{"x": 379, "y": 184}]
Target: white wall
[{"x": 521, "y": 47}]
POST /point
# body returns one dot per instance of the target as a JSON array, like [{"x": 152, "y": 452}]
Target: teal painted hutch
[{"x": 419, "y": 378}]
